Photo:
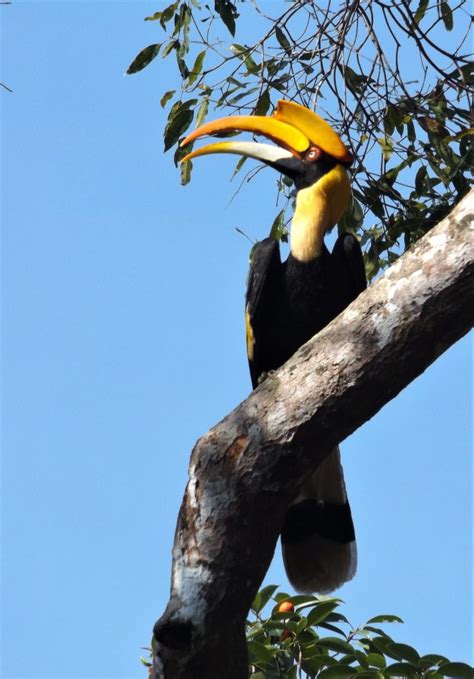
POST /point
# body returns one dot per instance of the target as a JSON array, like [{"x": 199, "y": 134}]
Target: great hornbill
[{"x": 288, "y": 302}]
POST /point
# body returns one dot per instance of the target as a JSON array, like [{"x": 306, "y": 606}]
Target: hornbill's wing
[
  {"x": 348, "y": 257},
  {"x": 262, "y": 293}
]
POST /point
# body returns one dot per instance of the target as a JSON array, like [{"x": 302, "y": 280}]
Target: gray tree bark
[{"x": 247, "y": 468}]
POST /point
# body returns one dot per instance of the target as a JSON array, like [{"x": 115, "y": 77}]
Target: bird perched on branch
[{"x": 289, "y": 302}]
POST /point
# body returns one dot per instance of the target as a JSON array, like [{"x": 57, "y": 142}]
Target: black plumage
[{"x": 289, "y": 302}]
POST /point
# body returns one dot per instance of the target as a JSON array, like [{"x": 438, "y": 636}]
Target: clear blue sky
[{"x": 123, "y": 343}]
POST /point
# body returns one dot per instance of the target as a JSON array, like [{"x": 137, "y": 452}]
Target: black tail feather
[{"x": 318, "y": 538}]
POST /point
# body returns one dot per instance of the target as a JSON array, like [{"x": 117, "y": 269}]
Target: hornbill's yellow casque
[{"x": 288, "y": 302}]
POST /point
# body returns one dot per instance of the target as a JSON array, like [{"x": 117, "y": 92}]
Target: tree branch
[{"x": 246, "y": 469}]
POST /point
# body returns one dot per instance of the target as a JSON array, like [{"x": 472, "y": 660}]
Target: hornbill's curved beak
[{"x": 294, "y": 128}]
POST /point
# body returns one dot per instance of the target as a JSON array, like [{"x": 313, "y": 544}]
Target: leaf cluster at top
[{"x": 393, "y": 78}]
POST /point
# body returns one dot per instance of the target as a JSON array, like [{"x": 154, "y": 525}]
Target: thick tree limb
[{"x": 245, "y": 470}]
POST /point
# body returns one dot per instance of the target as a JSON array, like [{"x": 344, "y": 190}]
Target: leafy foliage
[
  {"x": 393, "y": 78},
  {"x": 314, "y": 639},
  {"x": 305, "y": 636}
]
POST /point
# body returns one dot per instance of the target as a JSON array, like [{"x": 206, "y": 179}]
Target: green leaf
[
  {"x": 335, "y": 644},
  {"x": 336, "y": 672},
  {"x": 411, "y": 132},
  {"x": 313, "y": 600},
  {"x": 238, "y": 166},
  {"x": 350, "y": 222},
  {"x": 180, "y": 153},
  {"x": 282, "y": 619},
  {"x": 176, "y": 127},
  {"x": 357, "y": 214},
  {"x": 376, "y": 206},
  {"x": 227, "y": 12},
  {"x": 384, "y": 618},
  {"x": 376, "y": 660},
  {"x": 401, "y": 669},
  {"x": 312, "y": 666},
  {"x": 282, "y": 39},
  {"x": 420, "y": 179},
  {"x": 337, "y": 617},
  {"x": 263, "y": 597},
  {"x": 154, "y": 17},
  {"x": 354, "y": 81},
  {"x": 387, "y": 146},
  {"x": 143, "y": 58},
  {"x": 447, "y": 15},
  {"x": 243, "y": 53},
  {"x": 242, "y": 95},
  {"x": 392, "y": 119},
  {"x": 168, "y": 14},
  {"x": 459, "y": 670},
  {"x": 279, "y": 232},
  {"x": 181, "y": 106},
  {"x": 362, "y": 659},
  {"x": 388, "y": 124},
  {"x": 320, "y": 612},
  {"x": 467, "y": 72},
  {"x": 381, "y": 643},
  {"x": 263, "y": 104},
  {"x": 183, "y": 69},
  {"x": 431, "y": 660},
  {"x": 402, "y": 652},
  {"x": 331, "y": 628},
  {"x": 166, "y": 97},
  {"x": 239, "y": 50},
  {"x": 202, "y": 111},
  {"x": 173, "y": 44},
  {"x": 259, "y": 654},
  {"x": 300, "y": 625},
  {"x": 197, "y": 68},
  {"x": 186, "y": 15},
  {"x": 420, "y": 12},
  {"x": 182, "y": 21},
  {"x": 185, "y": 171},
  {"x": 281, "y": 596}
]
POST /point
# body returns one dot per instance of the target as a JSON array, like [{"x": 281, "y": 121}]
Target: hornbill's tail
[{"x": 318, "y": 539}]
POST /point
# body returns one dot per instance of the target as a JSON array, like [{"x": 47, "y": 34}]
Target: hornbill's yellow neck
[
  {"x": 318, "y": 208},
  {"x": 309, "y": 151}
]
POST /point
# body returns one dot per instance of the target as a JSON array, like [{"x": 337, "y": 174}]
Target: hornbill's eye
[{"x": 312, "y": 154}]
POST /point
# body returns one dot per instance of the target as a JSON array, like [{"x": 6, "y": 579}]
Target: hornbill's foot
[{"x": 263, "y": 376}]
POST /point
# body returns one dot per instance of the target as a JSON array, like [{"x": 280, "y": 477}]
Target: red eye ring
[{"x": 313, "y": 153}]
